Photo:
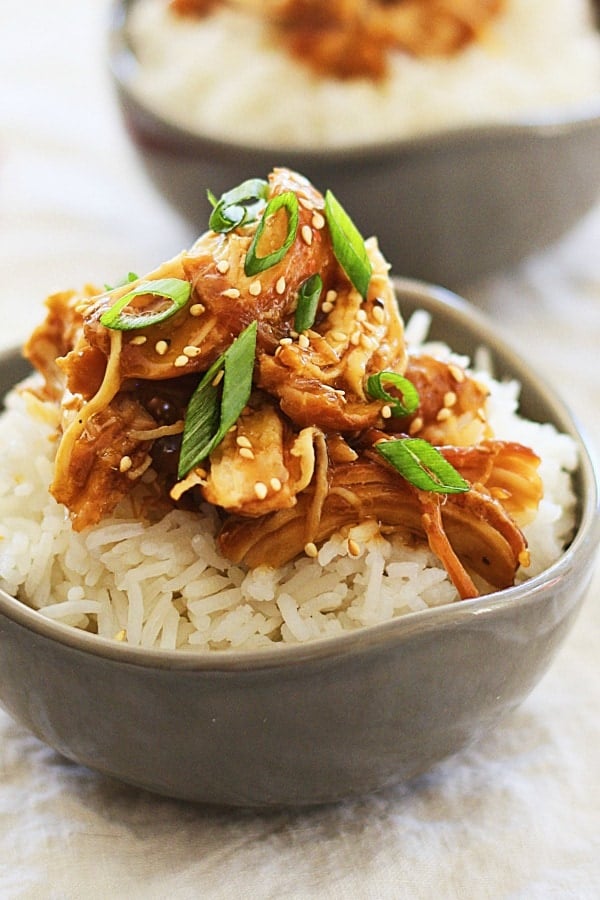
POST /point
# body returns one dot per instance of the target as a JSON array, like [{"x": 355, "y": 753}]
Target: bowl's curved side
[
  {"x": 312, "y": 732},
  {"x": 447, "y": 207}
]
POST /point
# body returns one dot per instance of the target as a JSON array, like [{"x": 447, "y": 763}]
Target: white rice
[
  {"x": 221, "y": 77},
  {"x": 166, "y": 585}
]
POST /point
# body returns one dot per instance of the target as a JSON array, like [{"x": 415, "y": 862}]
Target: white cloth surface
[{"x": 517, "y": 816}]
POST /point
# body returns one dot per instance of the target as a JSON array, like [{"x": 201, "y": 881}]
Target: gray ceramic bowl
[
  {"x": 313, "y": 723},
  {"x": 447, "y": 208}
]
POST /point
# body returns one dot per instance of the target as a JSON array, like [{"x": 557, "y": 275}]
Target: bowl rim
[
  {"x": 551, "y": 123},
  {"x": 438, "y": 300}
]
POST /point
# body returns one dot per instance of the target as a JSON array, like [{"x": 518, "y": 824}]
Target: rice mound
[
  {"x": 538, "y": 57},
  {"x": 164, "y": 584}
]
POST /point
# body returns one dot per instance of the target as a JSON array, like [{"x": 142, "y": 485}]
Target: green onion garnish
[
  {"x": 217, "y": 402},
  {"x": 255, "y": 264},
  {"x": 400, "y": 406},
  {"x": 127, "y": 279},
  {"x": 174, "y": 289},
  {"x": 239, "y": 206},
  {"x": 422, "y": 465},
  {"x": 308, "y": 302},
  {"x": 348, "y": 245}
]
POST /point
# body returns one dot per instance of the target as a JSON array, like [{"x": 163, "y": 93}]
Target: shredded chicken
[
  {"x": 300, "y": 462},
  {"x": 353, "y": 38}
]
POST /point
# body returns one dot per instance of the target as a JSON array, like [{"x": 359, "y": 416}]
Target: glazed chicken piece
[
  {"x": 470, "y": 532},
  {"x": 97, "y": 363},
  {"x": 321, "y": 378},
  {"x": 353, "y": 38}
]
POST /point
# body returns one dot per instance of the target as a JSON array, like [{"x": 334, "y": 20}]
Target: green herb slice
[
  {"x": 254, "y": 264},
  {"x": 420, "y": 463},
  {"x": 308, "y": 302},
  {"x": 215, "y": 407},
  {"x": 239, "y": 206},
  {"x": 127, "y": 279},
  {"x": 400, "y": 406},
  {"x": 174, "y": 289},
  {"x": 348, "y": 245}
]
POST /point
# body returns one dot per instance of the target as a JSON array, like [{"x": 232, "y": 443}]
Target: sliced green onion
[
  {"x": 308, "y": 302},
  {"x": 127, "y": 279},
  {"x": 217, "y": 403},
  {"x": 400, "y": 406},
  {"x": 174, "y": 289},
  {"x": 239, "y": 206},
  {"x": 255, "y": 264},
  {"x": 348, "y": 245},
  {"x": 422, "y": 465}
]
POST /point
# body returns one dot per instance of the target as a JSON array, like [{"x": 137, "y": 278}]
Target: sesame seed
[
  {"x": 216, "y": 380},
  {"x": 181, "y": 361},
  {"x": 450, "y": 398},
  {"x": 524, "y": 558},
  {"x": 378, "y": 314},
  {"x": 355, "y": 338},
  {"x": 306, "y": 203},
  {"x": 247, "y": 453},
  {"x": 196, "y": 309},
  {"x": 255, "y": 288},
  {"x": 138, "y": 340},
  {"x": 125, "y": 464},
  {"x": 443, "y": 414},
  {"x": 161, "y": 347},
  {"x": 286, "y": 341},
  {"x": 242, "y": 441},
  {"x": 386, "y": 412},
  {"x": 456, "y": 373},
  {"x": 232, "y": 293},
  {"x": 331, "y": 296},
  {"x": 306, "y": 233},
  {"x": 361, "y": 315},
  {"x": 353, "y": 547},
  {"x": 311, "y": 550},
  {"x": 191, "y": 351},
  {"x": 260, "y": 489},
  {"x": 318, "y": 221},
  {"x": 339, "y": 336},
  {"x": 275, "y": 484},
  {"x": 303, "y": 342},
  {"x": 327, "y": 306},
  {"x": 223, "y": 266},
  {"x": 280, "y": 286},
  {"x": 366, "y": 342},
  {"x": 415, "y": 425}
]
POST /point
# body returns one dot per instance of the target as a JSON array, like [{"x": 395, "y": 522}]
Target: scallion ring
[
  {"x": 217, "y": 403},
  {"x": 308, "y": 302},
  {"x": 174, "y": 289},
  {"x": 404, "y": 405},
  {"x": 253, "y": 263},
  {"x": 348, "y": 245},
  {"x": 422, "y": 464},
  {"x": 239, "y": 206}
]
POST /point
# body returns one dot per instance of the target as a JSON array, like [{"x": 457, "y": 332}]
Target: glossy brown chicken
[
  {"x": 301, "y": 459},
  {"x": 353, "y": 38}
]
